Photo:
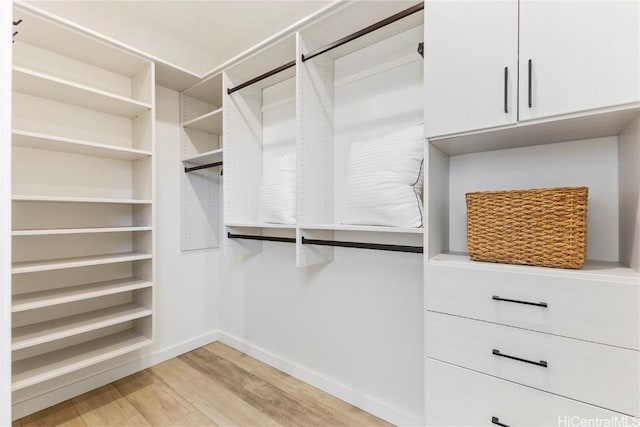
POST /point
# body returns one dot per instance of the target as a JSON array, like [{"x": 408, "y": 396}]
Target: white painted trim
[
  {"x": 100, "y": 378},
  {"x": 344, "y": 392},
  {"x": 6, "y": 12}
]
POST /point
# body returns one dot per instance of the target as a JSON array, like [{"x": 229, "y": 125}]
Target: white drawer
[
  {"x": 459, "y": 397},
  {"x": 594, "y": 373},
  {"x": 593, "y": 310}
]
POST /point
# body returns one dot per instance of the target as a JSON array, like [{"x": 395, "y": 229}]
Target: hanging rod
[
  {"x": 265, "y": 238},
  {"x": 262, "y": 77},
  {"x": 196, "y": 168},
  {"x": 364, "y": 31},
  {"x": 361, "y": 245}
]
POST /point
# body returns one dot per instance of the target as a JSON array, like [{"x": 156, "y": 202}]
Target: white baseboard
[
  {"x": 348, "y": 394},
  {"x": 98, "y": 379}
]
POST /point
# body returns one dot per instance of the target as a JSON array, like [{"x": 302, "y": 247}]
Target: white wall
[
  {"x": 5, "y": 211},
  {"x": 352, "y": 327}
]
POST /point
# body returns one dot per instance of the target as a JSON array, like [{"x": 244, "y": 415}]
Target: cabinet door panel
[
  {"x": 467, "y": 47},
  {"x": 584, "y": 55}
]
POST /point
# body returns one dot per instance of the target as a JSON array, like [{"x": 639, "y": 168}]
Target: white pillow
[
  {"x": 384, "y": 180},
  {"x": 277, "y": 202}
]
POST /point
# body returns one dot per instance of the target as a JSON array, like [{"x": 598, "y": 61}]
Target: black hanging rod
[
  {"x": 264, "y": 238},
  {"x": 262, "y": 77},
  {"x": 17, "y": 22},
  {"x": 364, "y": 31},
  {"x": 196, "y": 168},
  {"x": 361, "y": 245}
]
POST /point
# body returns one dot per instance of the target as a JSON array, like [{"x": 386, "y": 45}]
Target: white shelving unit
[
  {"x": 83, "y": 141},
  {"x": 201, "y": 144}
]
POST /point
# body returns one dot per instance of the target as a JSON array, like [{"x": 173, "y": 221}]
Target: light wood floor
[{"x": 212, "y": 386}]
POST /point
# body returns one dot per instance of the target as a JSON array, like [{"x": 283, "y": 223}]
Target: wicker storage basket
[{"x": 545, "y": 227}]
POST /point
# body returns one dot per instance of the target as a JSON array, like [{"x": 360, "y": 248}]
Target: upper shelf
[
  {"x": 572, "y": 127},
  {"x": 210, "y": 122},
  {"x": 208, "y": 90},
  {"x": 204, "y": 158},
  {"x": 365, "y": 228},
  {"x": 82, "y": 261},
  {"x": 64, "y": 199},
  {"x": 23, "y": 138},
  {"x": 42, "y": 85}
]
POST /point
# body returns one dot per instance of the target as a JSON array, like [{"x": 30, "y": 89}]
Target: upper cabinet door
[
  {"x": 470, "y": 58},
  {"x": 584, "y": 55}
]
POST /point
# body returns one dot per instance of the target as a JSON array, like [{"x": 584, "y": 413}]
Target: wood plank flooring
[{"x": 214, "y": 385}]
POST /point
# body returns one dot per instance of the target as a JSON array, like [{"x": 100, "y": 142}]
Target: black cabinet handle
[
  {"x": 540, "y": 363},
  {"x": 530, "y": 103},
  {"x": 537, "y": 304},
  {"x": 496, "y": 421},
  {"x": 506, "y": 78}
]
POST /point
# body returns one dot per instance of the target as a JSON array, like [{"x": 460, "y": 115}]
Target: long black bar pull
[
  {"x": 532, "y": 362},
  {"x": 263, "y": 238},
  {"x": 506, "y": 82},
  {"x": 496, "y": 421},
  {"x": 197, "y": 168},
  {"x": 530, "y": 102},
  {"x": 262, "y": 77},
  {"x": 403, "y": 14},
  {"x": 361, "y": 245},
  {"x": 538, "y": 304}
]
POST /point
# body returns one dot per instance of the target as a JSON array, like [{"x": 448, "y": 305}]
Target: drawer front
[
  {"x": 600, "y": 311},
  {"x": 458, "y": 397},
  {"x": 594, "y": 373}
]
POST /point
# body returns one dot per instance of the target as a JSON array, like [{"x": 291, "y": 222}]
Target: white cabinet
[
  {"x": 584, "y": 55},
  {"x": 571, "y": 57},
  {"x": 471, "y": 60}
]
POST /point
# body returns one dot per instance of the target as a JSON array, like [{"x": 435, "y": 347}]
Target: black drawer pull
[
  {"x": 537, "y": 304},
  {"x": 496, "y": 421},
  {"x": 540, "y": 363}
]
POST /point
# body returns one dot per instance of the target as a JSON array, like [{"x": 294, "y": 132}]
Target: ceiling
[{"x": 194, "y": 35}]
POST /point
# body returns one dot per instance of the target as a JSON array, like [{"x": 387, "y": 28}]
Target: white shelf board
[
  {"x": 208, "y": 90},
  {"x": 210, "y": 122},
  {"x": 594, "y": 270},
  {"x": 34, "y": 370},
  {"x": 65, "y": 199},
  {"x": 204, "y": 158},
  {"x": 365, "y": 228},
  {"x": 260, "y": 225},
  {"x": 51, "y": 330},
  {"x": 45, "y": 86},
  {"x": 58, "y": 231},
  {"x": 571, "y": 127},
  {"x": 40, "y": 299},
  {"x": 62, "y": 263},
  {"x": 40, "y": 141}
]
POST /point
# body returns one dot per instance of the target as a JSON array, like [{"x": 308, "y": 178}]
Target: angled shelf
[
  {"x": 35, "y": 300},
  {"x": 45, "y": 86},
  {"x": 85, "y": 261},
  {"x": 66, "y": 199},
  {"x": 40, "y": 333},
  {"x": 210, "y": 122},
  {"x": 37, "y": 369},
  {"x": 59, "y": 231},
  {"x": 40, "y": 141},
  {"x": 204, "y": 158}
]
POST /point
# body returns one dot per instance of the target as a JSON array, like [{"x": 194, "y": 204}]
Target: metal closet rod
[
  {"x": 398, "y": 16},
  {"x": 265, "y": 238},
  {"x": 342, "y": 244},
  {"x": 262, "y": 77},
  {"x": 196, "y": 168}
]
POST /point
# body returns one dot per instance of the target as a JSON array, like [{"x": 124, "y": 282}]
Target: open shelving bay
[{"x": 83, "y": 141}]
